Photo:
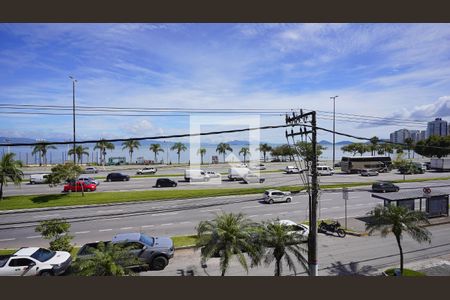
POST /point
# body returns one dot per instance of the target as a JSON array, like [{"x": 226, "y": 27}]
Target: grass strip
[{"x": 406, "y": 273}]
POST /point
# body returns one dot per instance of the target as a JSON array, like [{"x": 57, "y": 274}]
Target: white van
[
  {"x": 237, "y": 173},
  {"x": 420, "y": 166},
  {"x": 325, "y": 170},
  {"x": 195, "y": 175},
  {"x": 38, "y": 178}
]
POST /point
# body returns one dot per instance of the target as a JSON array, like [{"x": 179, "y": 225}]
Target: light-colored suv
[
  {"x": 271, "y": 196},
  {"x": 325, "y": 170}
]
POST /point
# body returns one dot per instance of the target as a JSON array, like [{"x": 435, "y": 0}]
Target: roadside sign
[
  {"x": 345, "y": 193},
  {"x": 426, "y": 190}
]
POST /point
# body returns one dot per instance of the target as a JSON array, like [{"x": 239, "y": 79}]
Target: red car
[{"x": 87, "y": 187}]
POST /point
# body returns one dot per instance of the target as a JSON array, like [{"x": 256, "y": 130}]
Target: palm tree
[
  {"x": 9, "y": 169},
  {"x": 108, "y": 260},
  {"x": 362, "y": 148},
  {"x": 409, "y": 145},
  {"x": 202, "y": 152},
  {"x": 42, "y": 150},
  {"x": 245, "y": 151},
  {"x": 79, "y": 152},
  {"x": 222, "y": 148},
  {"x": 155, "y": 148},
  {"x": 179, "y": 147},
  {"x": 103, "y": 145},
  {"x": 281, "y": 243},
  {"x": 374, "y": 143},
  {"x": 227, "y": 235},
  {"x": 399, "y": 219},
  {"x": 264, "y": 148},
  {"x": 131, "y": 145}
]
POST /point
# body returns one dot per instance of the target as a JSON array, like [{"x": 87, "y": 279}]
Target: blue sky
[{"x": 387, "y": 70}]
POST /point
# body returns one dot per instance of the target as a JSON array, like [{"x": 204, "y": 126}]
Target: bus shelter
[{"x": 434, "y": 202}]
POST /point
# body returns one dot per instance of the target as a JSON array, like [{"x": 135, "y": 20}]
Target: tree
[
  {"x": 409, "y": 145},
  {"x": 131, "y": 145},
  {"x": 245, "y": 151},
  {"x": 9, "y": 170},
  {"x": 350, "y": 148},
  {"x": 362, "y": 148},
  {"x": 42, "y": 149},
  {"x": 264, "y": 148},
  {"x": 56, "y": 230},
  {"x": 202, "y": 152},
  {"x": 228, "y": 235},
  {"x": 399, "y": 220},
  {"x": 79, "y": 152},
  {"x": 178, "y": 147},
  {"x": 374, "y": 144},
  {"x": 62, "y": 173},
  {"x": 108, "y": 260},
  {"x": 438, "y": 146},
  {"x": 155, "y": 148},
  {"x": 103, "y": 145},
  {"x": 222, "y": 148},
  {"x": 305, "y": 151},
  {"x": 281, "y": 243}
]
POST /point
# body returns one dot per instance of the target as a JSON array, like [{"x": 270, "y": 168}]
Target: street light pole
[
  {"x": 73, "y": 114},
  {"x": 334, "y": 128}
]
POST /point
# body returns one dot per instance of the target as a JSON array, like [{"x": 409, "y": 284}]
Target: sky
[{"x": 400, "y": 71}]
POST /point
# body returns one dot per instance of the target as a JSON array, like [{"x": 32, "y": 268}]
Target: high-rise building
[
  {"x": 423, "y": 135},
  {"x": 399, "y": 136},
  {"x": 437, "y": 127}
]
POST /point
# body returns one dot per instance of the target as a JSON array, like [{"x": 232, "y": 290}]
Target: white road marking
[
  {"x": 109, "y": 211},
  {"x": 335, "y": 207},
  {"x": 167, "y": 224},
  {"x": 102, "y": 230},
  {"x": 186, "y": 222},
  {"x": 252, "y": 216},
  {"x": 147, "y": 226},
  {"x": 126, "y": 228},
  {"x": 165, "y": 214},
  {"x": 254, "y": 206},
  {"x": 324, "y": 208},
  {"x": 81, "y": 232},
  {"x": 46, "y": 216},
  {"x": 267, "y": 214},
  {"x": 5, "y": 240},
  {"x": 208, "y": 210},
  {"x": 110, "y": 219},
  {"x": 33, "y": 237}
]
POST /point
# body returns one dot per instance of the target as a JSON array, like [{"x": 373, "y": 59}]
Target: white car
[
  {"x": 213, "y": 174},
  {"x": 271, "y": 196},
  {"x": 38, "y": 178},
  {"x": 33, "y": 261},
  {"x": 88, "y": 180},
  {"x": 258, "y": 167},
  {"x": 146, "y": 170},
  {"x": 291, "y": 170},
  {"x": 253, "y": 178},
  {"x": 90, "y": 170},
  {"x": 325, "y": 170},
  {"x": 300, "y": 229}
]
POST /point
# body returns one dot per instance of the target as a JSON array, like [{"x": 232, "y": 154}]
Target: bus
[{"x": 356, "y": 164}]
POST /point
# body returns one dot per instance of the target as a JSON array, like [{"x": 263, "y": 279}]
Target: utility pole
[
  {"x": 73, "y": 114},
  {"x": 334, "y": 128},
  {"x": 313, "y": 190}
]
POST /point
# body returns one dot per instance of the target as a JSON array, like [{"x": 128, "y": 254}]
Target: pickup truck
[
  {"x": 34, "y": 261},
  {"x": 153, "y": 252},
  {"x": 146, "y": 170}
]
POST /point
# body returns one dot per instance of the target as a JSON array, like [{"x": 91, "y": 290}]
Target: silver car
[
  {"x": 271, "y": 196},
  {"x": 368, "y": 172}
]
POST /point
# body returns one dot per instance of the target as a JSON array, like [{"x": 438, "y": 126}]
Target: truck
[
  {"x": 440, "y": 164},
  {"x": 195, "y": 175},
  {"x": 38, "y": 178},
  {"x": 237, "y": 173}
]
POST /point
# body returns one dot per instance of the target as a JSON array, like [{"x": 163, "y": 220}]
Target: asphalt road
[
  {"x": 177, "y": 217},
  {"x": 271, "y": 180}
]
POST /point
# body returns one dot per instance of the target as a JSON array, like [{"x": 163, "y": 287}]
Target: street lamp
[
  {"x": 334, "y": 127},
  {"x": 73, "y": 93}
]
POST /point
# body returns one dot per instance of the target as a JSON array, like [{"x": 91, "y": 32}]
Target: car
[
  {"x": 301, "y": 229},
  {"x": 258, "y": 167},
  {"x": 165, "y": 182},
  {"x": 384, "y": 186},
  {"x": 368, "y": 172},
  {"x": 291, "y": 170},
  {"x": 35, "y": 261},
  {"x": 39, "y": 178},
  {"x": 89, "y": 180},
  {"x": 153, "y": 252},
  {"x": 90, "y": 170},
  {"x": 195, "y": 175},
  {"x": 80, "y": 186},
  {"x": 427, "y": 165},
  {"x": 325, "y": 170},
  {"x": 412, "y": 168},
  {"x": 146, "y": 170},
  {"x": 271, "y": 196},
  {"x": 117, "y": 177},
  {"x": 213, "y": 174},
  {"x": 253, "y": 178}
]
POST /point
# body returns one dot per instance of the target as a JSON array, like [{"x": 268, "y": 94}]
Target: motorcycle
[{"x": 332, "y": 227}]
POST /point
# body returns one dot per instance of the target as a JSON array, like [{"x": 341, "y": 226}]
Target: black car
[
  {"x": 384, "y": 187},
  {"x": 117, "y": 177},
  {"x": 165, "y": 182}
]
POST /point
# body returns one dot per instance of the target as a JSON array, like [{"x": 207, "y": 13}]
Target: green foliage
[
  {"x": 156, "y": 148},
  {"x": 64, "y": 172},
  {"x": 356, "y": 148},
  {"x": 438, "y": 146},
  {"x": 57, "y": 231},
  {"x": 9, "y": 170},
  {"x": 178, "y": 147},
  {"x": 245, "y": 151},
  {"x": 42, "y": 149},
  {"x": 202, "y": 152},
  {"x": 406, "y": 273},
  {"x": 284, "y": 151},
  {"x": 305, "y": 150},
  {"x": 264, "y": 148},
  {"x": 79, "y": 151},
  {"x": 103, "y": 145},
  {"x": 131, "y": 145},
  {"x": 222, "y": 148}
]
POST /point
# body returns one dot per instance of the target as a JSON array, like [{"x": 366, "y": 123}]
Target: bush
[
  {"x": 62, "y": 243},
  {"x": 57, "y": 231}
]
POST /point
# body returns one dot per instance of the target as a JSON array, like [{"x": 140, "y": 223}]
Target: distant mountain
[
  {"x": 15, "y": 140},
  {"x": 323, "y": 142}
]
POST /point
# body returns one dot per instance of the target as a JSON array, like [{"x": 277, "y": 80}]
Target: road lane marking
[
  {"x": 167, "y": 224},
  {"x": 109, "y": 211},
  {"x": 110, "y": 219},
  {"x": 81, "y": 232},
  {"x": 254, "y": 206},
  {"x": 33, "y": 237},
  {"x": 102, "y": 230},
  {"x": 324, "y": 208},
  {"x": 267, "y": 214},
  {"x": 5, "y": 240},
  {"x": 165, "y": 214},
  {"x": 147, "y": 226},
  {"x": 336, "y": 207},
  {"x": 45, "y": 216},
  {"x": 209, "y": 210},
  {"x": 253, "y": 216},
  {"x": 186, "y": 222},
  {"x": 126, "y": 228}
]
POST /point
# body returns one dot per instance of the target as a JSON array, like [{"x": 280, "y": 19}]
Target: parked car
[
  {"x": 146, "y": 170},
  {"x": 80, "y": 186},
  {"x": 301, "y": 229},
  {"x": 153, "y": 252},
  {"x": 368, "y": 172},
  {"x": 165, "y": 182},
  {"x": 38, "y": 178},
  {"x": 33, "y": 261},
  {"x": 271, "y": 196},
  {"x": 90, "y": 170},
  {"x": 384, "y": 186},
  {"x": 117, "y": 177},
  {"x": 253, "y": 178},
  {"x": 325, "y": 170},
  {"x": 89, "y": 180},
  {"x": 258, "y": 167},
  {"x": 292, "y": 170},
  {"x": 195, "y": 175},
  {"x": 212, "y": 174}
]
